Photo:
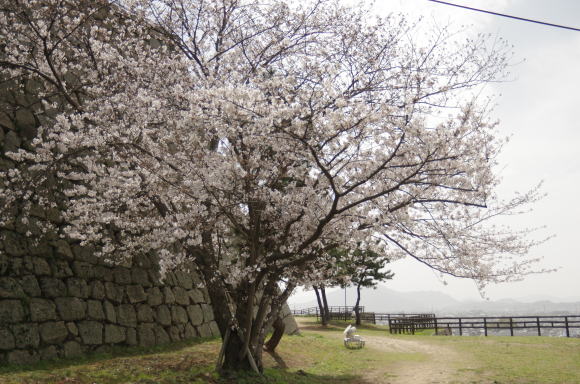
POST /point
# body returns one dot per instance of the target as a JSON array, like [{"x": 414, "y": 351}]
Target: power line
[{"x": 508, "y": 16}]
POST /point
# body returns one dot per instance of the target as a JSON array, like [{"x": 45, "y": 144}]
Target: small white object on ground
[{"x": 351, "y": 340}]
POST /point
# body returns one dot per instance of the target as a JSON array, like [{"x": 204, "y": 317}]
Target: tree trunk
[
  {"x": 279, "y": 328},
  {"x": 320, "y": 307},
  {"x": 325, "y": 303},
  {"x": 234, "y": 307},
  {"x": 232, "y": 361},
  {"x": 356, "y": 306}
]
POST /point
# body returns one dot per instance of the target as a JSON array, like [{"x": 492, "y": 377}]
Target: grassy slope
[
  {"x": 316, "y": 357},
  {"x": 522, "y": 360}
]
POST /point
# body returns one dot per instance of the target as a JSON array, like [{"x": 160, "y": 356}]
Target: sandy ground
[
  {"x": 440, "y": 365},
  {"x": 437, "y": 364}
]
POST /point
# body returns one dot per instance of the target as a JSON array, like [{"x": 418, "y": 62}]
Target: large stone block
[
  {"x": 189, "y": 332},
  {"x": 22, "y": 357},
  {"x": 196, "y": 296},
  {"x": 7, "y": 341},
  {"x": 195, "y": 314},
  {"x": 103, "y": 273},
  {"x": 71, "y": 308},
  {"x": 215, "y": 330},
  {"x": 52, "y": 287},
  {"x": 122, "y": 275},
  {"x": 174, "y": 333},
  {"x": 131, "y": 336},
  {"x": 110, "y": 312},
  {"x": 169, "y": 279},
  {"x": 126, "y": 315},
  {"x": 154, "y": 297},
  {"x": 163, "y": 315},
  {"x": 41, "y": 267},
  {"x": 207, "y": 313},
  {"x": 49, "y": 353},
  {"x": 53, "y": 332},
  {"x": 146, "y": 335},
  {"x": 30, "y": 286},
  {"x": 72, "y": 349},
  {"x": 14, "y": 244},
  {"x": 83, "y": 270},
  {"x": 97, "y": 290},
  {"x": 136, "y": 294},
  {"x": 197, "y": 280},
  {"x": 26, "y": 335},
  {"x": 72, "y": 328},
  {"x": 39, "y": 248},
  {"x": 181, "y": 296},
  {"x": 10, "y": 288},
  {"x": 114, "y": 292},
  {"x": 161, "y": 337},
  {"x": 11, "y": 311},
  {"x": 42, "y": 310},
  {"x": 91, "y": 332},
  {"x": 204, "y": 330},
  {"x": 95, "y": 310},
  {"x": 62, "y": 249},
  {"x": 16, "y": 266},
  {"x": 168, "y": 296},
  {"x": 77, "y": 287},
  {"x": 86, "y": 253},
  {"x": 61, "y": 269},
  {"x": 155, "y": 277},
  {"x": 4, "y": 262},
  {"x": 114, "y": 334},
  {"x": 205, "y": 294},
  {"x": 140, "y": 277},
  {"x": 142, "y": 261},
  {"x": 184, "y": 279},
  {"x": 145, "y": 313},
  {"x": 178, "y": 315}
]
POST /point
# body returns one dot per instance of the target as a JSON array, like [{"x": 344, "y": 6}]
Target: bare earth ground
[
  {"x": 440, "y": 366},
  {"x": 436, "y": 365}
]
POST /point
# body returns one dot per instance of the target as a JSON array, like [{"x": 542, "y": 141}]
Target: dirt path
[
  {"x": 433, "y": 363},
  {"x": 440, "y": 365}
]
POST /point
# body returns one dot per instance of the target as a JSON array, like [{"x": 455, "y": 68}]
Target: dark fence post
[
  {"x": 485, "y": 325},
  {"x": 511, "y": 327},
  {"x": 538, "y": 324},
  {"x": 436, "y": 327},
  {"x": 567, "y": 327},
  {"x": 460, "y": 330}
]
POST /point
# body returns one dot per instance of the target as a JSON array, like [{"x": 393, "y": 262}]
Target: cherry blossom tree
[{"x": 253, "y": 137}]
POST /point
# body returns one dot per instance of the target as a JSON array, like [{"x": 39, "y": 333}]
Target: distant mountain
[
  {"x": 387, "y": 300},
  {"x": 384, "y": 299}
]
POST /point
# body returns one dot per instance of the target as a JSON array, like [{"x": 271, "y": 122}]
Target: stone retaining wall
[{"x": 70, "y": 303}]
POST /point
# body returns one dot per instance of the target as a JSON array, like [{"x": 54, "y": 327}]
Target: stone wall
[{"x": 70, "y": 303}]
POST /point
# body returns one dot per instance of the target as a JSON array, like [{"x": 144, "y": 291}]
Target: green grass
[
  {"x": 317, "y": 357},
  {"x": 311, "y": 358},
  {"x": 521, "y": 360}
]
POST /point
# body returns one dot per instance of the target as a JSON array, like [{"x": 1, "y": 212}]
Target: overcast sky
[{"x": 539, "y": 110}]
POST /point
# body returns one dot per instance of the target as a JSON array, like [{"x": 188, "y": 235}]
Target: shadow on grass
[
  {"x": 281, "y": 376},
  {"x": 112, "y": 353}
]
